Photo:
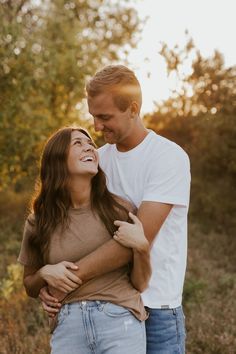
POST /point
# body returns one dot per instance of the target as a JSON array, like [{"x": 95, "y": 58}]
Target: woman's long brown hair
[{"x": 52, "y": 201}]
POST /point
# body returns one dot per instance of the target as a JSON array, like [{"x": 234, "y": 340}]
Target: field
[{"x": 209, "y": 294}]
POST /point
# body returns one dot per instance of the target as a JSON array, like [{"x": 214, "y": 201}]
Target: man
[{"x": 154, "y": 174}]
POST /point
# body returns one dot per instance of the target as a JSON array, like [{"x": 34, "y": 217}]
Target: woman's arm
[
  {"x": 132, "y": 236},
  {"x": 56, "y": 276}
]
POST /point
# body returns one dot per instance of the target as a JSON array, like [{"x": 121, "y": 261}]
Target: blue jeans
[
  {"x": 87, "y": 327},
  {"x": 165, "y": 330}
]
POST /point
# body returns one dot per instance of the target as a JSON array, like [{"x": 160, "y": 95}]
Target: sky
[{"x": 211, "y": 24}]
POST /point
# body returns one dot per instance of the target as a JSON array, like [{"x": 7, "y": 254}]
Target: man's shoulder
[{"x": 166, "y": 147}]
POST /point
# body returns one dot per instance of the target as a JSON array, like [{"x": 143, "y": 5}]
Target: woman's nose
[{"x": 88, "y": 147}]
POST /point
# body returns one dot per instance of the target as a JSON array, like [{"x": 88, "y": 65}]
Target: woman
[{"x": 73, "y": 215}]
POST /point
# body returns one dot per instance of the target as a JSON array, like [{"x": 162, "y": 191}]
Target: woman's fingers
[
  {"x": 73, "y": 277},
  {"x": 119, "y": 223},
  {"x": 66, "y": 288},
  {"x": 70, "y": 265},
  {"x": 134, "y": 218}
]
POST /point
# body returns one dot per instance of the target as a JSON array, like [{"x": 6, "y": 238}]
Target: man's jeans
[
  {"x": 165, "y": 330},
  {"x": 87, "y": 327}
]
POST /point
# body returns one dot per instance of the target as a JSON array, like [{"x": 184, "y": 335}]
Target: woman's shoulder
[{"x": 125, "y": 203}]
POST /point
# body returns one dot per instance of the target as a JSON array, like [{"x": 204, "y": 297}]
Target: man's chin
[{"x": 109, "y": 138}]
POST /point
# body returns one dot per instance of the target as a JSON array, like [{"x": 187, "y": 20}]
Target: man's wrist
[
  {"x": 143, "y": 248},
  {"x": 81, "y": 272}
]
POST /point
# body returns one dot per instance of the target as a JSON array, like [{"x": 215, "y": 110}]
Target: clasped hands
[{"x": 61, "y": 280}]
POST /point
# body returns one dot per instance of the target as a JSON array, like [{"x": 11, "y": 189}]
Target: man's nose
[{"x": 98, "y": 125}]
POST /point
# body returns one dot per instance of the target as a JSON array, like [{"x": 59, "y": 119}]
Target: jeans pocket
[{"x": 113, "y": 310}]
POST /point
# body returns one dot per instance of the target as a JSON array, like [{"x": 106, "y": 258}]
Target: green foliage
[
  {"x": 200, "y": 117},
  {"x": 12, "y": 282},
  {"x": 48, "y": 49},
  {"x": 209, "y": 87},
  {"x": 193, "y": 290},
  {"x": 210, "y": 141}
]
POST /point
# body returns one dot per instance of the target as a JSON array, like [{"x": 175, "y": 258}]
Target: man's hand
[
  {"x": 131, "y": 235},
  {"x": 59, "y": 277},
  {"x": 50, "y": 304}
]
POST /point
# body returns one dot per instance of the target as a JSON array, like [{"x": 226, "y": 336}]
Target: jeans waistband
[
  {"x": 85, "y": 304},
  {"x": 174, "y": 310}
]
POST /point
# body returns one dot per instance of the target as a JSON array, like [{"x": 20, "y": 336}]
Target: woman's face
[{"x": 82, "y": 156}]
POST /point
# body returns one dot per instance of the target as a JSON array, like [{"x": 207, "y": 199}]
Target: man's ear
[{"x": 134, "y": 109}]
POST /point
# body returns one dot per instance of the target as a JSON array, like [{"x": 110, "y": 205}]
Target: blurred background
[{"x": 184, "y": 55}]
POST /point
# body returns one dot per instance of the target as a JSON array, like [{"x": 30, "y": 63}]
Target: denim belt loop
[
  {"x": 66, "y": 309},
  {"x": 100, "y": 305}
]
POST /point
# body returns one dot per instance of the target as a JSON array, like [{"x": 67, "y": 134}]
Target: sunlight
[{"x": 167, "y": 22}]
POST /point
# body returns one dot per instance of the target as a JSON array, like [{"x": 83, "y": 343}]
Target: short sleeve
[
  {"x": 28, "y": 256},
  {"x": 168, "y": 178}
]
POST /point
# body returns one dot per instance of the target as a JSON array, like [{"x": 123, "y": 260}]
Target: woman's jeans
[
  {"x": 165, "y": 330},
  {"x": 98, "y": 327}
]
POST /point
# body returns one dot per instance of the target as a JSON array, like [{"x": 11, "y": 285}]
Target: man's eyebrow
[{"x": 101, "y": 116}]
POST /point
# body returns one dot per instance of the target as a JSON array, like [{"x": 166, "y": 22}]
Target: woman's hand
[
  {"x": 131, "y": 235},
  {"x": 59, "y": 277}
]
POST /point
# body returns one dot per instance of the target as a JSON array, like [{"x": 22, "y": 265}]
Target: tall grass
[{"x": 209, "y": 294}]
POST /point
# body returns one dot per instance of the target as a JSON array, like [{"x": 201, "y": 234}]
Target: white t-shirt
[{"x": 156, "y": 170}]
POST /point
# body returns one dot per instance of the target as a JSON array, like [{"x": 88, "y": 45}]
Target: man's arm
[
  {"x": 112, "y": 255},
  {"x": 108, "y": 257},
  {"x": 152, "y": 216},
  {"x": 141, "y": 271},
  {"x": 132, "y": 235}
]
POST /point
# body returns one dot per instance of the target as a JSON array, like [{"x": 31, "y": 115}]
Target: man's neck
[{"x": 133, "y": 140}]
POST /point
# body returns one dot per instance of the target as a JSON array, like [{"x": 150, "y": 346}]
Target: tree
[
  {"x": 208, "y": 87},
  {"x": 48, "y": 50},
  {"x": 200, "y": 117}
]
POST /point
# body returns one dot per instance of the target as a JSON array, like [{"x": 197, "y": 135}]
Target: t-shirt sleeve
[
  {"x": 168, "y": 178},
  {"x": 28, "y": 256}
]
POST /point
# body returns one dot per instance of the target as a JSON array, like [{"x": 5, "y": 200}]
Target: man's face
[{"x": 114, "y": 124}]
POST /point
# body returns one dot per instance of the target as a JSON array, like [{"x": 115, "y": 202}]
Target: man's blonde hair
[{"x": 120, "y": 81}]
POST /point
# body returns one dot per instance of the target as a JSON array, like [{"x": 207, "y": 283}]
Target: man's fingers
[
  {"x": 50, "y": 309},
  {"x": 45, "y": 296}
]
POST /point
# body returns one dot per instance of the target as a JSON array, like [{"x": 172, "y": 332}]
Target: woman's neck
[{"x": 80, "y": 192}]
